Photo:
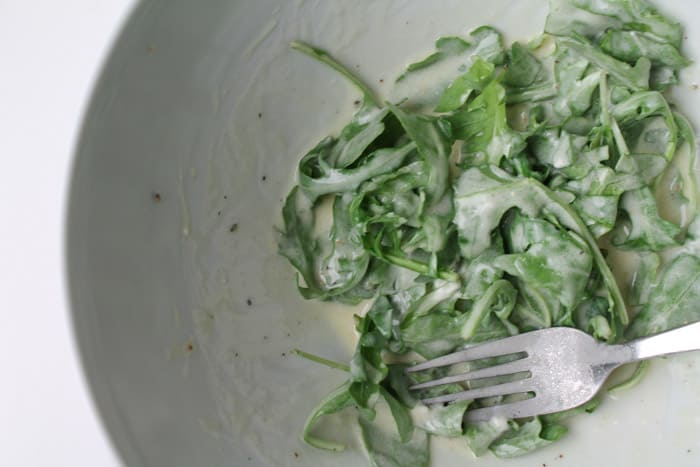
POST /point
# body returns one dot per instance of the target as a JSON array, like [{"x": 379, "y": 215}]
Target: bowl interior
[{"x": 185, "y": 314}]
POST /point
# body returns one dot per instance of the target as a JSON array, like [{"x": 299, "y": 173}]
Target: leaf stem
[
  {"x": 325, "y": 58},
  {"x": 417, "y": 266},
  {"x": 321, "y": 360}
]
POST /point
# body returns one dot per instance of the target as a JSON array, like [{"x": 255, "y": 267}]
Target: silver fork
[{"x": 563, "y": 367}]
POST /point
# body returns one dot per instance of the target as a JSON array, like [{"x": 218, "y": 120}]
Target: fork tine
[
  {"x": 496, "y": 370},
  {"x": 496, "y": 348},
  {"x": 519, "y": 409},
  {"x": 514, "y": 387}
]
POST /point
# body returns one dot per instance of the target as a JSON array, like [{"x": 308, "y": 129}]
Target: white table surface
[{"x": 50, "y": 54}]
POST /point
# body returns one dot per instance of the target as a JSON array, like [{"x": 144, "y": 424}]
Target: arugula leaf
[
  {"x": 332, "y": 180},
  {"x": 550, "y": 261},
  {"x": 672, "y": 301},
  {"x": 325, "y": 58},
  {"x": 445, "y": 420},
  {"x": 446, "y": 47},
  {"x": 298, "y": 244},
  {"x": 644, "y": 278},
  {"x": 524, "y": 69},
  {"x": 647, "y": 229},
  {"x": 434, "y": 147},
  {"x": 457, "y": 93},
  {"x": 489, "y": 194},
  {"x": 640, "y": 107},
  {"x": 483, "y": 126},
  {"x": 499, "y": 299},
  {"x": 525, "y": 438},
  {"x": 630, "y": 46},
  {"x": 634, "y": 77},
  {"x": 346, "y": 264},
  {"x": 481, "y": 435},
  {"x": 555, "y": 418},
  {"x": 335, "y": 402},
  {"x": 591, "y": 18},
  {"x": 385, "y": 450},
  {"x": 486, "y": 44},
  {"x": 402, "y": 417},
  {"x": 575, "y": 83}
]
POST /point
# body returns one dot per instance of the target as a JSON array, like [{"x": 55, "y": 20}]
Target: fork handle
[{"x": 678, "y": 340}]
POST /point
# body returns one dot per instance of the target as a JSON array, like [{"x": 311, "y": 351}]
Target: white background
[{"x": 50, "y": 54}]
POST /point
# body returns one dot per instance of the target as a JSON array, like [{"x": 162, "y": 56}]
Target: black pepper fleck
[
  {"x": 260, "y": 115},
  {"x": 296, "y": 454},
  {"x": 233, "y": 228},
  {"x": 156, "y": 197},
  {"x": 357, "y": 102},
  {"x": 264, "y": 337},
  {"x": 218, "y": 213},
  {"x": 249, "y": 302},
  {"x": 225, "y": 197},
  {"x": 236, "y": 354},
  {"x": 264, "y": 177}
]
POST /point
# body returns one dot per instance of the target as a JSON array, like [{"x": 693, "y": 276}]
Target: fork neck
[{"x": 682, "y": 339}]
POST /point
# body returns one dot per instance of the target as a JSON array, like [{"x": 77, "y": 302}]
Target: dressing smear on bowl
[{"x": 501, "y": 190}]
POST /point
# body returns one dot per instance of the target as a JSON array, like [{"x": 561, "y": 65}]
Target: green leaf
[
  {"x": 446, "y": 47},
  {"x": 481, "y": 435},
  {"x": 639, "y": 372},
  {"x": 332, "y": 180},
  {"x": 524, "y": 69},
  {"x": 547, "y": 259},
  {"x": 346, "y": 264},
  {"x": 592, "y": 316},
  {"x": 298, "y": 244},
  {"x": 489, "y": 194},
  {"x": 321, "y": 360},
  {"x": 486, "y": 43},
  {"x": 647, "y": 230},
  {"x": 499, "y": 299},
  {"x": 483, "y": 126},
  {"x": 434, "y": 148},
  {"x": 591, "y": 18},
  {"x": 642, "y": 106},
  {"x": 630, "y": 46},
  {"x": 673, "y": 301},
  {"x": 457, "y": 93},
  {"x": 325, "y": 58},
  {"x": 645, "y": 276},
  {"x": 386, "y": 450},
  {"x": 402, "y": 416},
  {"x": 333, "y": 403},
  {"x": 523, "y": 439},
  {"x": 554, "y": 418},
  {"x": 634, "y": 77},
  {"x": 444, "y": 420}
]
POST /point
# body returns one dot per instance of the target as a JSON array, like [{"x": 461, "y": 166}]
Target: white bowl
[{"x": 184, "y": 325}]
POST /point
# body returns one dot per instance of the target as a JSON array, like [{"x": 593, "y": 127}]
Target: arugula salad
[{"x": 501, "y": 203}]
